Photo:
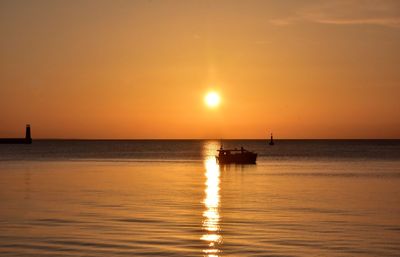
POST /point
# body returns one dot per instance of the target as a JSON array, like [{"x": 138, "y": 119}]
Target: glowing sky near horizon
[{"x": 140, "y": 69}]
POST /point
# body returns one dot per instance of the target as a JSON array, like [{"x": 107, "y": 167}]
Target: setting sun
[{"x": 212, "y": 99}]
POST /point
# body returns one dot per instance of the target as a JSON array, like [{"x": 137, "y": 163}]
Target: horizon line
[{"x": 202, "y": 139}]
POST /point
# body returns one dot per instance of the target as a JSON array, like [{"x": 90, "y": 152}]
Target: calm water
[{"x": 170, "y": 198}]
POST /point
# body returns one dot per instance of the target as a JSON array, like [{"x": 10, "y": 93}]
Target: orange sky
[{"x": 140, "y": 69}]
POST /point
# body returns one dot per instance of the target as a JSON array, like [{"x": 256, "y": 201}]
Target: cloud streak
[{"x": 350, "y": 12}]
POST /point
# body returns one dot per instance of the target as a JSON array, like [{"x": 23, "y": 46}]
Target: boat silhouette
[{"x": 236, "y": 156}]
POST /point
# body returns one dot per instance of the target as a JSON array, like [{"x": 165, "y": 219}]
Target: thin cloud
[
  {"x": 284, "y": 21},
  {"x": 350, "y": 12}
]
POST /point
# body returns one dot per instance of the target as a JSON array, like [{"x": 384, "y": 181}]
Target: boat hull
[{"x": 245, "y": 158}]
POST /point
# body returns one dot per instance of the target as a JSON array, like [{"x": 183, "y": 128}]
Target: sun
[{"x": 212, "y": 99}]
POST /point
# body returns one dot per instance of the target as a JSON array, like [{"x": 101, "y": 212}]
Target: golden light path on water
[{"x": 211, "y": 202}]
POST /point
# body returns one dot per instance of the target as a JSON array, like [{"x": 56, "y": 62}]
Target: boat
[
  {"x": 271, "y": 141},
  {"x": 236, "y": 156}
]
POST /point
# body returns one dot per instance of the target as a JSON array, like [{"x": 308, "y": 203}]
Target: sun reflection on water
[{"x": 211, "y": 202}]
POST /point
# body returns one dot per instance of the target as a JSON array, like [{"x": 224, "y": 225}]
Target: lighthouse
[{"x": 28, "y": 138}]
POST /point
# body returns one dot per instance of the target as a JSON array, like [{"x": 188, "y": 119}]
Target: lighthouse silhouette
[{"x": 28, "y": 138}]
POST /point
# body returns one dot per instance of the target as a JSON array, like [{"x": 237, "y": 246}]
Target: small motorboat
[{"x": 236, "y": 156}]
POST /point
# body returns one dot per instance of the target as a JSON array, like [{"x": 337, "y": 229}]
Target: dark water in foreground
[{"x": 170, "y": 198}]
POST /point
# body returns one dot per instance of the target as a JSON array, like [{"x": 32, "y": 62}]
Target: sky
[{"x": 140, "y": 69}]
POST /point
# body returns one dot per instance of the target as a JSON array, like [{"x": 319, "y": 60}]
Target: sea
[{"x": 171, "y": 198}]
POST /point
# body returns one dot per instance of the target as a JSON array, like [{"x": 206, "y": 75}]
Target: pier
[{"x": 26, "y": 140}]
